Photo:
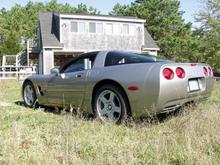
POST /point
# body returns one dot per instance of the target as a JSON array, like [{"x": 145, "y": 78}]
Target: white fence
[
  {"x": 19, "y": 72},
  {"x": 16, "y": 60}
]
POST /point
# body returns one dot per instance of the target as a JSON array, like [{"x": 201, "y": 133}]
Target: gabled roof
[
  {"x": 149, "y": 43},
  {"x": 48, "y": 36}
]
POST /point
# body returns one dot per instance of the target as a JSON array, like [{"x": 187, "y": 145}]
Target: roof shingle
[
  {"x": 48, "y": 37},
  {"x": 148, "y": 41}
]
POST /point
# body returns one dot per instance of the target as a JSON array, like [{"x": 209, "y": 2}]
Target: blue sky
[{"x": 189, "y": 6}]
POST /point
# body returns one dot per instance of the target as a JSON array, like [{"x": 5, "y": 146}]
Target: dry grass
[{"x": 38, "y": 137}]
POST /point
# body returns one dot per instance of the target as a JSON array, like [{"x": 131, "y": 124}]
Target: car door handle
[{"x": 78, "y": 75}]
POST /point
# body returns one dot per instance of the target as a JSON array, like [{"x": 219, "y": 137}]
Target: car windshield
[{"x": 119, "y": 58}]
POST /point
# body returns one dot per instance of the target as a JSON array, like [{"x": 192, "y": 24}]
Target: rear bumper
[
  {"x": 169, "y": 106},
  {"x": 169, "y": 98},
  {"x": 174, "y": 105}
]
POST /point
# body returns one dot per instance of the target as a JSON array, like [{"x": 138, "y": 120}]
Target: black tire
[
  {"x": 119, "y": 97},
  {"x": 32, "y": 103}
]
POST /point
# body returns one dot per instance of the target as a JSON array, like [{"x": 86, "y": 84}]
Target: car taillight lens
[
  {"x": 180, "y": 72},
  {"x": 205, "y": 70},
  {"x": 210, "y": 71},
  {"x": 168, "y": 73}
]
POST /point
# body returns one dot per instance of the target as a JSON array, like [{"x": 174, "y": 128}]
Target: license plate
[{"x": 193, "y": 85}]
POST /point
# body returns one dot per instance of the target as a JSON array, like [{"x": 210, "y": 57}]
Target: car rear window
[{"x": 120, "y": 58}]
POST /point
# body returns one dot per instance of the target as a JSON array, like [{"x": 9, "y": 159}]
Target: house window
[
  {"x": 132, "y": 30},
  {"x": 78, "y": 27},
  {"x": 95, "y": 27},
  {"x": 92, "y": 27},
  {"x": 74, "y": 27},
  {"x": 116, "y": 29},
  {"x": 125, "y": 29},
  {"x": 81, "y": 27},
  {"x": 99, "y": 28},
  {"x": 109, "y": 28}
]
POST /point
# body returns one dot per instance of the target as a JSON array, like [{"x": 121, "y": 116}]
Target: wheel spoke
[
  {"x": 104, "y": 112},
  {"x": 112, "y": 96},
  {"x": 116, "y": 109},
  {"x": 26, "y": 91},
  {"x": 111, "y": 116},
  {"x": 31, "y": 98},
  {"x": 103, "y": 100},
  {"x": 31, "y": 91}
]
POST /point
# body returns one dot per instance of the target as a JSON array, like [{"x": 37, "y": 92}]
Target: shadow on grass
[
  {"x": 163, "y": 117},
  {"x": 58, "y": 111},
  {"x": 46, "y": 109},
  {"x": 157, "y": 118},
  {"x": 130, "y": 122}
]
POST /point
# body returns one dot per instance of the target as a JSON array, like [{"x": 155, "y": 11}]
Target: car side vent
[{"x": 40, "y": 91}]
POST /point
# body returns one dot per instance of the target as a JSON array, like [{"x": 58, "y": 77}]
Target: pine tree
[
  {"x": 166, "y": 25},
  {"x": 209, "y": 33}
]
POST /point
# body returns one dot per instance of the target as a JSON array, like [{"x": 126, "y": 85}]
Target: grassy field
[{"x": 40, "y": 137}]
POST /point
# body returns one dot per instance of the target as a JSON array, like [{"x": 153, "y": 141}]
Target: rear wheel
[
  {"x": 29, "y": 95},
  {"x": 110, "y": 104}
]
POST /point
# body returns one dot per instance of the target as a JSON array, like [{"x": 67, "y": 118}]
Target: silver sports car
[{"x": 115, "y": 84}]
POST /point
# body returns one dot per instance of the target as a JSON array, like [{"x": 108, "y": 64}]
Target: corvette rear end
[{"x": 179, "y": 84}]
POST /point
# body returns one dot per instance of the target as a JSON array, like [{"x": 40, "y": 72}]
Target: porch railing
[
  {"x": 33, "y": 45},
  {"x": 16, "y": 72}
]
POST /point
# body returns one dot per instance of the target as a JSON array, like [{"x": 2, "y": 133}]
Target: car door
[{"x": 68, "y": 87}]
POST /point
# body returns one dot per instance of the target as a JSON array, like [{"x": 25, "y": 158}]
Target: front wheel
[
  {"x": 110, "y": 104},
  {"x": 29, "y": 95}
]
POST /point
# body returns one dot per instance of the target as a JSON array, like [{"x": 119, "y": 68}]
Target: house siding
[
  {"x": 95, "y": 41},
  {"x": 48, "y": 58},
  {"x": 40, "y": 64}
]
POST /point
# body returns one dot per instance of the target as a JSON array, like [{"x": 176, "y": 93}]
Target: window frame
[
  {"x": 96, "y": 23},
  {"x": 94, "y": 28},
  {"x": 125, "y": 56},
  {"x": 134, "y": 32},
  {"x": 77, "y": 23},
  {"x": 71, "y": 26},
  {"x": 82, "y": 56},
  {"x": 123, "y": 30},
  {"x": 109, "y": 23},
  {"x": 74, "y": 63},
  {"x": 102, "y": 27},
  {"x": 118, "y": 31}
]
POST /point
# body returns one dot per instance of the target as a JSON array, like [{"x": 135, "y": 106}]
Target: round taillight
[
  {"x": 210, "y": 71},
  {"x": 180, "y": 72},
  {"x": 168, "y": 73},
  {"x": 205, "y": 70}
]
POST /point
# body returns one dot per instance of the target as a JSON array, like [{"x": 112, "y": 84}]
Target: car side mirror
[
  {"x": 87, "y": 64},
  {"x": 55, "y": 71}
]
